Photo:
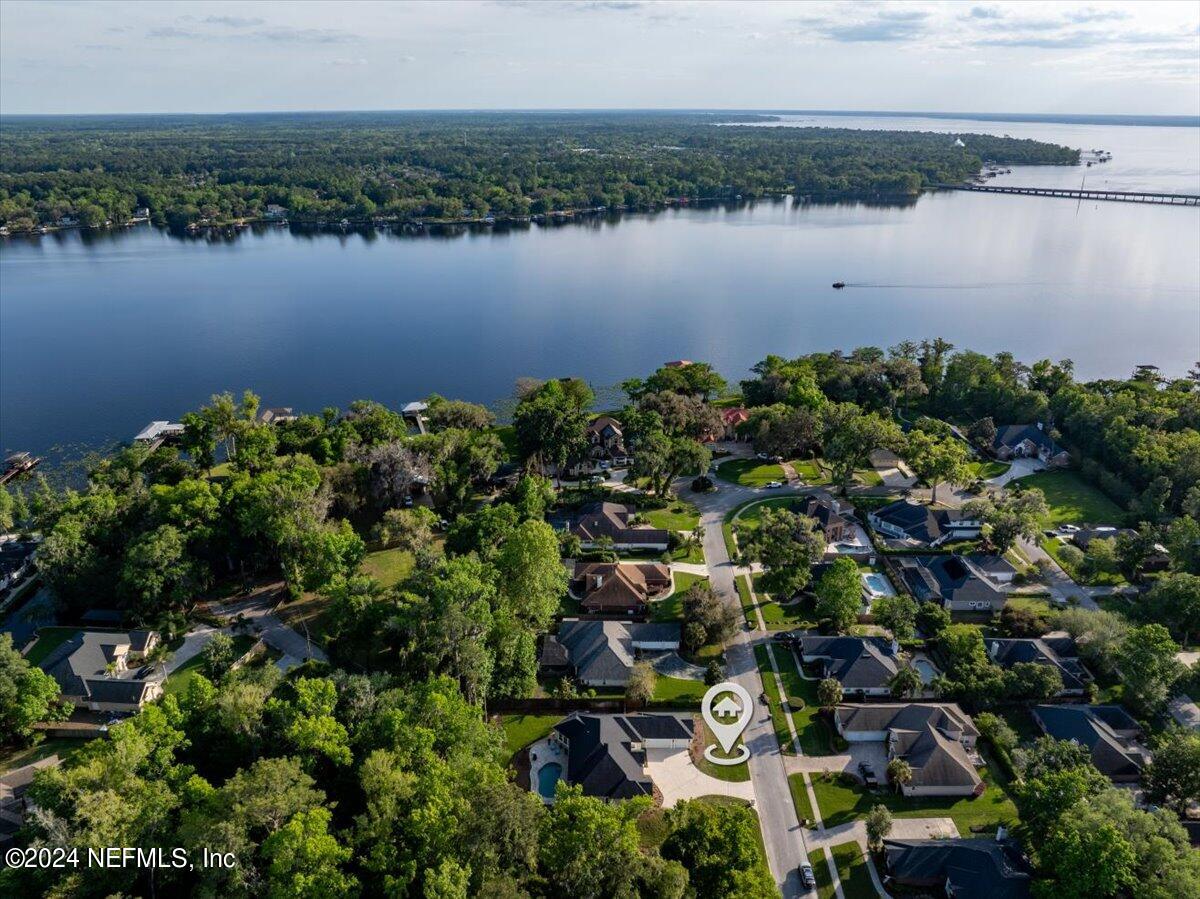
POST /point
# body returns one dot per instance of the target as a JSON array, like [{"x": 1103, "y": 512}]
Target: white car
[
  {"x": 764, "y": 457},
  {"x": 773, "y": 485},
  {"x": 1068, "y": 528}
]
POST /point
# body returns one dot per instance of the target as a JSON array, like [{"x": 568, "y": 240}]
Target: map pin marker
[{"x": 727, "y": 718}]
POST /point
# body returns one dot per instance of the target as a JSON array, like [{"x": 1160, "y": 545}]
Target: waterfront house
[
  {"x": 277, "y": 415},
  {"x": 974, "y": 583},
  {"x": 607, "y": 755},
  {"x": 157, "y": 433},
  {"x": 612, "y": 520},
  {"x": 603, "y": 653},
  {"x": 275, "y": 211},
  {"x": 1029, "y": 441},
  {"x": 106, "y": 672},
  {"x": 864, "y": 666},
  {"x": 732, "y": 419},
  {"x": 960, "y": 868},
  {"x": 16, "y": 560},
  {"x": 622, "y": 588},
  {"x": 1057, "y": 652},
  {"x": 936, "y": 739},
  {"x": 1108, "y": 731},
  {"x": 916, "y": 524}
]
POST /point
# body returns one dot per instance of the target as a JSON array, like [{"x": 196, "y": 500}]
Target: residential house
[
  {"x": 157, "y": 433},
  {"x": 622, "y": 588},
  {"x": 603, "y": 653},
  {"x": 835, "y": 520},
  {"x": 1058, "y": 652},
  {"x": 1158, "y": 560},
  {"x": 1028, "y": 442},
  {"x": 862, "y": 665},
  {"x": 607, "y": 754},
  {"x": 936, "y": 739},
  {"x": 612, "y": 520},
  {"x": 277, "y": 415},
  {"x": 974, "y": 583},
  {"x": 962, "y": 868},
  {"x": 106, "y": 672},
  {"x": 916, "y": 524},
  {"x": 732, "y": 418},
  {"x": 1107, "y": 730},
  {"x": 606, "y": 439},
  {"x": 13, "y": 804},
  {"x": 275, "y": 211},
  {"x": 414, "y": 414}
]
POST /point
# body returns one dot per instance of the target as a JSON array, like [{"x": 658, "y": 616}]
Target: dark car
[
  {"x": 868, "y": 774},
  {"x": 807, "y": 877}
]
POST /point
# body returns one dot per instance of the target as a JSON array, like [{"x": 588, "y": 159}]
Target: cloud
[
  {"x": 344, "y": 63},
  {"x": 406, "y": 59},
  {"x": 985, "y": 12},
  {"x": 885, "y": 25},
  {"x": 1091, "y": 14},
  {"x": 170, "y": 31},
  {"x": 233, "y": 21},
  {"x": 287, "y": 35},
  {"x": 1080, "y": 40},
  {"x": 98, "y": 47}
]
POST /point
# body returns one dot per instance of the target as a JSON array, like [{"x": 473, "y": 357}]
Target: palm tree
[
  {"x": 899, "y": 772},
  {"x": 906, "y": 682}
]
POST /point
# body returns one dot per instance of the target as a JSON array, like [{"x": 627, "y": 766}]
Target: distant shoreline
[{"x": 1060, "y": 118}]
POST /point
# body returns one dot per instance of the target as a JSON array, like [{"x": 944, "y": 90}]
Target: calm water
[{"x": 100, "y": 335}]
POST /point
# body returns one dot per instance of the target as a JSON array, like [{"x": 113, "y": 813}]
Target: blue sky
[{"x": 115, "y": 56}]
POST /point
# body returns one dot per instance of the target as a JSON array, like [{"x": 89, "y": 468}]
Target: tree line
[{"x": 452, "y": 166}]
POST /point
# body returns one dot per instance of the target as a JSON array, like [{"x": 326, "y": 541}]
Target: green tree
[
  {"x": 898, "y": 614},
  {"x": 899, "y": 773},
  {"x": 305, "y": 860},
  {"x": 1087, "y": 859},
  {"x": 839, "y": 594},
  {"x": 906, "y": 682},
  {"x": 550, "y": 426},
  {"x": 787, "y": 545},
  {"x": 27, "y": 695},
  {"x": 718, "y": 846},
  {"x": 1174, "y": 601},
  {"x": 1149, "y": 668},
  {"x": 879, "y": 825},
  {"x": 642, "y": 681},
  {"x": 850, "y": 436},
  {"x": 1013, "y": 516},
  {"x": 1173, "y": 776},
  {"x": 532, "y": 577},
  {"x": 590, "y": 848},
  {"x": 932, "y": 619},
  {"x": 829, "y": 692},
  {"x": 937, "y": 459},
  {"x": 218, "y": 655}
]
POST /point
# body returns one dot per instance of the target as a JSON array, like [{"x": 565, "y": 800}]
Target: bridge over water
[{"x": 1119, "y": 196}]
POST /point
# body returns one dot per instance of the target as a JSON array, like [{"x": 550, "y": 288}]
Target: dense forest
[{"x": 451, "y": 166}]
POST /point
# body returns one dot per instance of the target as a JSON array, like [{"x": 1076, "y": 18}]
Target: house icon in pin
[{"x": 726, "y": 707}]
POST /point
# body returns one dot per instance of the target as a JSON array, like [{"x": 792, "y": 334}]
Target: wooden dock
[{"x": 1117, "y": 196}]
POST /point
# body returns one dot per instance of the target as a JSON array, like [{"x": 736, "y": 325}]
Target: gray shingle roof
[
  {"x": 1011, "y": 435},
  {"x": 1058, "y": 652},
  {"x": 920, "y": 522},
  {"x": 952, "y": 578},
  {"x": 81, "y": 665},
  {"x": 600, "y": 754},
  {"x": 926, "y": 735},
  {"x": 980, "y": 868},
  {"x": 1104, "y": 729},
  {"x": 603, "y": 650},
  {"x": 857, "y": 663}
]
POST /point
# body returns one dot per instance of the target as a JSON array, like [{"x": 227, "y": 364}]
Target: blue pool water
[
  {"x": 548, "y": 776},
  {"x": 877, "y": 584}
]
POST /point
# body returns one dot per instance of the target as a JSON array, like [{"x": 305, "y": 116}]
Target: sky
[{"x": 106, "y": 56}]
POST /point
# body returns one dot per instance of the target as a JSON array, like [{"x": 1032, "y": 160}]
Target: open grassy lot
[
  {"x": 521, "y": 730},
  {"x": 679, "y": 516},
  {"x": 49, "y": 639},
  {"x": 679, "y": 690},
  {"x": 804, "y": 809},
  {"x": 388, "y": 566},
  {"x": 63, "y": 747},
  {"x": 1072, "y": 500},
  {"x": 749, "y": 518},
  {"x": 749, "y": 472},
  {"x": 841, "y": 803},
  {"x": 1054, "y": 547},
  {"x": 178, "y": 679},
  {"x": 815, "y": 736},
  {"x": 728, "y": 773},
  {"x": 820, "y": 868},
  {"x": 852, "y": 869},
  {"x": 778, "y": 717},
  {"x": 987, "y": 469},
  {"x": 868, "y": 477},
  {"x": 671, "y": 608},
  {"x": 811, "y": 471},
  {"x": 776, "y": 617}
]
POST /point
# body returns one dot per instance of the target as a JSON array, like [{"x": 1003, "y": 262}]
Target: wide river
[{"x": 99, "y": 334}]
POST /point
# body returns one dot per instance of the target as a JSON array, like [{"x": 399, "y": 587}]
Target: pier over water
[{"x": 1119, "y": 196}]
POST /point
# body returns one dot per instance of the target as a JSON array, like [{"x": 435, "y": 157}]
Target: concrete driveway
[
  {"x": 1018, "y": 469},
  {"x": 258, "y": 610},
  {"x": 873, "y": 754},
  {"x": 678, "y": 779}
]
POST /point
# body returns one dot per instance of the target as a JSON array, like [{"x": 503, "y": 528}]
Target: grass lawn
[
  {"x": 815, "y": 736},
  {"x": 752, "y": 515},
  {"x": 794, "y": 616},
  {"x": 1072, "y": 500},
  {"x": 841, "y": 803},
  {"x": 63, "y": 747},
  {"x": 748, "y": 605},
  {"x": 679, "y": 690},
  {"x": 671, "y": 608},
  {"x": 388, "y": 566},
  {"x": 521, "y": 730},
  {"x": 49, "y": 639},
  {"x": 821, "y": 873},
  {"x": 804, "y": 809},
  {"x": 508, "y": 438},
  {"x": 868, "y": 477},
  {"x": 693, "y": 554},
  {"x": 1054, "y": 547},
  {"x": 778, "y": 719},
  {"x": 679, "y": 516},
  {"x": 728, "y": 773},
  {"x": 986, "y": 470},
  {"x": 811, "y": 471},
  {"x": 852, "y": 869},
  {"x": 178, "y": 679},
  {"x": 749, "y": 472}
]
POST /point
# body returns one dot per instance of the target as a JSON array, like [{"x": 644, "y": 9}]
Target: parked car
[
  {"x": 868, "y": 774},
  {"x": 773, "y": 485},
  {"x": 1068, "y": 528},
  {"x": 807, "y": 877},
  {"x": 765, "y": 457}
]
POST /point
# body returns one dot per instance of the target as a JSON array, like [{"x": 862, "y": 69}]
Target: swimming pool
[
  {"x": 877, "y": 584},
  {"x": 548, "y": 776},
  {"x": 925, "y": 669}
]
